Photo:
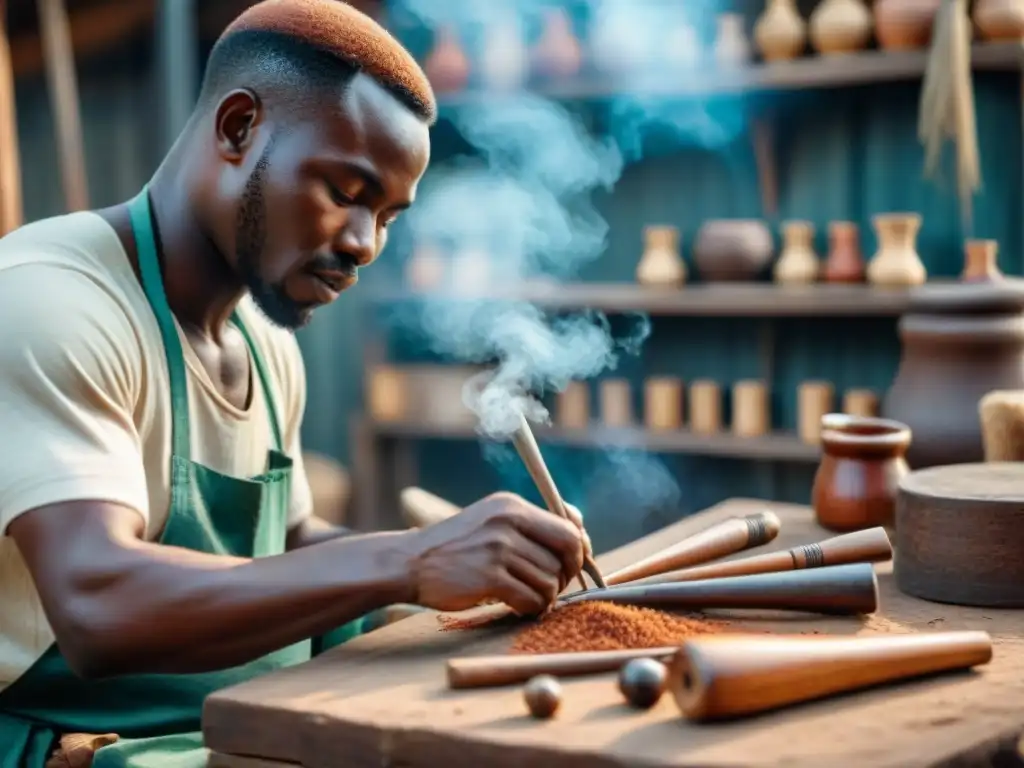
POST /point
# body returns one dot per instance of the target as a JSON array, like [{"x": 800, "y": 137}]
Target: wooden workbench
[{"x": 381, "y": 700}]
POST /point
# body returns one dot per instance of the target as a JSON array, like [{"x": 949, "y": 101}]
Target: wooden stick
[
  {"x": 10, "y": 166},
  {"x": 725, "y": 538},
  {"x": 529, "y": 452},
  {"x": 63, "y": 83},
  {"x": 724, "y": 677},
  {"x": 488, "y": 671},
  {"x": 840, "y": 589},
  {"x": 421, "y": 508},
  {"x": 868, "y": 546}
]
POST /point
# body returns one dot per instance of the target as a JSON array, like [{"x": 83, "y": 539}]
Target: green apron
[{"x": 158, "y": 716}]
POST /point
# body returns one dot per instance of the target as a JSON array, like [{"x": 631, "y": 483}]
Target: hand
[
  {"x": 577, "y": 519},
  {"x": 501, "y": 548}
]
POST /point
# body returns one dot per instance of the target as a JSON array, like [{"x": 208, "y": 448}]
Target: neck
[{"x": 202, "y": 289}]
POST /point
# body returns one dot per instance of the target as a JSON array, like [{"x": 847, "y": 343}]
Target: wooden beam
[{"x": 93, "y": 29}]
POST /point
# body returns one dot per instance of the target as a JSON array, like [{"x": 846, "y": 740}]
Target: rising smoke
[{"x": 526, "y": 199}]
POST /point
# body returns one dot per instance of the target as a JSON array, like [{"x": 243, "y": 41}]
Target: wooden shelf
[
  {"x": 778, "y": 446},
  {"x": 805, "y": 73},
  {"x": 708, "y": 300}
]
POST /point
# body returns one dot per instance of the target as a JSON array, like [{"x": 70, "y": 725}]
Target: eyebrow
[{"x": 369, "y": 178}]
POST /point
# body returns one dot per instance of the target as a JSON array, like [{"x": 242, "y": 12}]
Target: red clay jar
[
  {"x": 845, "y": 263},
  {"x": 863, "y": 460},
  {"x": 902, "y": 25}
]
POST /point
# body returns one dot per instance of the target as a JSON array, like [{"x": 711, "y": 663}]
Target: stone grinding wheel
[{"x": 960, "y": 534}]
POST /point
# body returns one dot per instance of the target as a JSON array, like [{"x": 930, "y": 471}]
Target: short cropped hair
[{"x": 289, "y": 46}]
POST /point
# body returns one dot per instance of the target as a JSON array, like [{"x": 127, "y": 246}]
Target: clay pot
[
  {"x": 683, "y": 47},
  {"x": 980, "y": 262},
  {"x": 616, "y": 403},
  {"x": 447, "y": 66},
  {"x": 844, "y": 264},
  {"x": 960, "y": 341},
  {"x": 897, "y": 263},
  {"x": 661, "y": 263},
  {"x": 814, "y": 399},
  {"x": 426, "y": 269},
  {"x": 573, "y": 406},
  {"x": 750, "y": 409},
  {"x": 780, "y": 32},
  {"x": 841, "y": 26},
  {"x": 857, "y": 481},
  {"x": 705, "y": 407},
  {"x": 1000, "y": 19},
  {"x": 731, "y": 45},
  {"x": 663, "y": 403},
  {"x": 902, "y": 25},
  {"x": 557, "y": 53},
  {"x": 798, "y": 263},
  {"x": 733, "y": 249}
]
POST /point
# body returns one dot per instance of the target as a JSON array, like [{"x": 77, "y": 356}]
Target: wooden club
[{"x": 729, "y": 676}]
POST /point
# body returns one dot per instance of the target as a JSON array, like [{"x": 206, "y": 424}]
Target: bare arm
[
  {"x": 314, "y": 530},
  {"x": 119, "y": 605}
]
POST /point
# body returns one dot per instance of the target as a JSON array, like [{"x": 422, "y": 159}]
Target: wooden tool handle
[
  {"x": 421, "y": 508},
  {"x": 868, "y": 546},
  {"x": 486, "y": 671},
  {"x": 724, "y": 677},
  {"x": 528, "y": 450},
  {"x": 725, "y": 538},
  {"x": 840, "y": 589}
]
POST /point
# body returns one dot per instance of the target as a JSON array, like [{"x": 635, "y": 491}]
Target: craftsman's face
[{"x": 320, "y": 196}]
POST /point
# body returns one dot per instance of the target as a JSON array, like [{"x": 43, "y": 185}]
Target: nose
[{"x": 358, "y": 237}]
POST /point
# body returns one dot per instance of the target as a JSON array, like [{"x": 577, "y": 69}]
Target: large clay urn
[{"x": 960, "y": 341}]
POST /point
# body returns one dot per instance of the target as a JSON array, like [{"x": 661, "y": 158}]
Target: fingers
[
  {"x": 559, "y": 536},
  {"x": 544, "y": 583},
  {"x": 521, "y": 598},
  {"x": 577, "y": 518}
]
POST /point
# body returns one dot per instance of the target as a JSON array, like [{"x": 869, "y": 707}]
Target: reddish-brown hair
[{"x": 338, "y": 29}]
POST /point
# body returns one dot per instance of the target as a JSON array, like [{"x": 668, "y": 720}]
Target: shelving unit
[{"x": 782, "y": 347}]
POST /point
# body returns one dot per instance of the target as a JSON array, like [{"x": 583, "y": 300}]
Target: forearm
[
  {"x": 165, "y": 609},
  {"x": 315, "y": 530}
]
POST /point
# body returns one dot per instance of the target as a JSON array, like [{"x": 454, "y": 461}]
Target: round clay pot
[
  {"x": 798, "y": 263},
  {"x": 840, "y": 26},
  {"x": 733, "y": 249},
  {"x": 897, "y": 263},
  {"x": 1000, "y": 19},
  {"x": 845, "y": 263},
  {"x": 902, "y": 25},
  {"x": 447, "y": 66},
  {"x": 862, "y": 463},
  {"x": 661, "y": 263},
  {"x": 780, "y": 32},
  {"x": 558, "y": 53},
  {"x": 960, "y": 342}
]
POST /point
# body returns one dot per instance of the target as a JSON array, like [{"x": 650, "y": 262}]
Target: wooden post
[
  {"x": 10, "y": 167},
  {"x": 177, "y": 47}
]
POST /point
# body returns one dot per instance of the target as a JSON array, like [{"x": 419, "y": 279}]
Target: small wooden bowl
[{"x": 960, "y": 534}]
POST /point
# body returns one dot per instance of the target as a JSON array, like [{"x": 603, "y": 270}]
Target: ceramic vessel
[
  {"x": 845, "y": 263},
  {"x": 750, "y": 408},
  {"x": 663, "y": 403},
  {"x": 960, "y": 341},
  {"x": 897, "y": 263},
  {"x": 426, "y": 269},
  {"x": 840, "y": 26},
  {"x": 980, "y": 261},
  {"x": 557, "y": 54},
  {"x": 862, "y": 463},
  {"x": 732, "y": 48},
  {"x": 733, "y": 249},
  {"x": 798, "y": 263},
  {"x": 902, "y": 25},
  {"x": 661, "y": 263},
  {"x": 612, "y": 51},
  {"x": 814, "y": 399},
  {"x": 1000, "y": 19},
  {"x": 705, "y": 407},
  {"x": 447, "y": 66},
  {"x": 780, "y": 32},
  {"x": 504, "y": 60},
  {"x": 616, "y": 398}
]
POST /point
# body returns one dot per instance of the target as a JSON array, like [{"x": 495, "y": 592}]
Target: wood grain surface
[{"x": 381, "y": 700}]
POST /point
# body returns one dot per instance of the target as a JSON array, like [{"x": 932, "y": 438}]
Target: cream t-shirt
[{"x": 85, "y": 407}]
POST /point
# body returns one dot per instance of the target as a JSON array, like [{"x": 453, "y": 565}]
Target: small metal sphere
[
  {"x": 642, "y": 681},
  {"x": 543, "y": 695}
]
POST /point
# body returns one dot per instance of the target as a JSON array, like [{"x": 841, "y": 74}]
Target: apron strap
[{"x": 153, "y": 286}]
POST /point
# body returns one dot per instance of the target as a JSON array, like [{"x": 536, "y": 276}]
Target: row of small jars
[{"x": 663, "y": 406}]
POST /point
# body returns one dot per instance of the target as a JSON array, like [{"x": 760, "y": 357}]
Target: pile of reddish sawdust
[{"x": 599, "y": 626}]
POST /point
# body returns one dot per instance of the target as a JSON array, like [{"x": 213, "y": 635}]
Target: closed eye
[{"x": 337, "y": 196}]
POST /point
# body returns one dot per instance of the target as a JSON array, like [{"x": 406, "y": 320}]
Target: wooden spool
[{"x": 960, "y": 534}]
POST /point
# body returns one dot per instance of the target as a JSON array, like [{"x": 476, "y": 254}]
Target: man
[{"x": 157, "y": 539}]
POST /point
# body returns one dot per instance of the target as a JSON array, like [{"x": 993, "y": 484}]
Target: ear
[{"x": 238, "y": 116}]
